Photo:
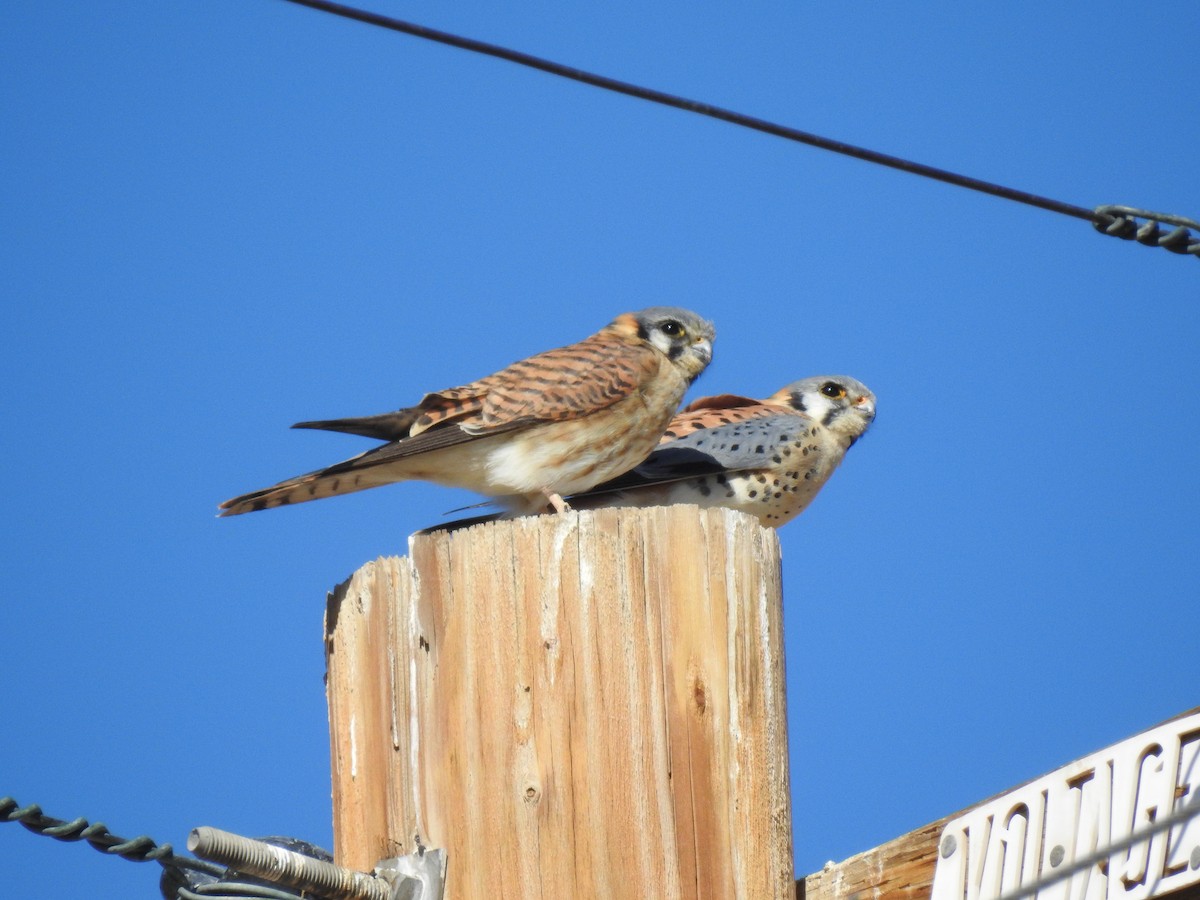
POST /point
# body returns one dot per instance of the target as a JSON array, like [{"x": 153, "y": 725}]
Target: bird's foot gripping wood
[{"x": 556, "y": 500}]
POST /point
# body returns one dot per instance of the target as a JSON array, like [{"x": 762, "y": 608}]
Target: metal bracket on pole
[{"x": 418, "y": 876}]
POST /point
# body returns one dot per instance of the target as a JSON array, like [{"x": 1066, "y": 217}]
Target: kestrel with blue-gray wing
[
  {"x": 548, "y": 426},
  {"x": 766, "y": 457}
]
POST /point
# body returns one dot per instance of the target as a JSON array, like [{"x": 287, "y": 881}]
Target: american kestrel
[
  {"x": 766, "y": 457},
  {"x": 551, "y": 425}
]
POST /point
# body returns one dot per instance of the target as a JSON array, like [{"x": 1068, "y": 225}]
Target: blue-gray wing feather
[{"x": 734, "y": 447}]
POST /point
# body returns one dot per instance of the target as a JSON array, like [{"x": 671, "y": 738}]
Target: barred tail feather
[{"x": 313, "y": 486}]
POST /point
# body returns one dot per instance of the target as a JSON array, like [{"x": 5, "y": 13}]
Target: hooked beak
[{"x": 865, "y": 405}]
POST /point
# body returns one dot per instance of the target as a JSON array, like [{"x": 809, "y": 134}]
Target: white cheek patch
[
  {"x": 818, "y": 406},
  {"x": 661, "y": 341}
]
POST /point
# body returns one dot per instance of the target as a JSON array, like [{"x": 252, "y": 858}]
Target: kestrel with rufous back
[{"x": 552, "y": 425}]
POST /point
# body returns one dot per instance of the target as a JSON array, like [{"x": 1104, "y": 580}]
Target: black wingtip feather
[{"x": 393, "y": 426}]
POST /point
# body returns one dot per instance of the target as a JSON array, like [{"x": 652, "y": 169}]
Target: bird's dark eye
[
  {"x": 833, "y": 389},
  {"x": 673, "y": 329}
]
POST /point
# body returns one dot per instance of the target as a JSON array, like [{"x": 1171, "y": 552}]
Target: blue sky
[{"x": 219, "y": 218}]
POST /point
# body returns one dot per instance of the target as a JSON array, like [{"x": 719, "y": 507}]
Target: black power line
[{"x": 1118, "y": 221}]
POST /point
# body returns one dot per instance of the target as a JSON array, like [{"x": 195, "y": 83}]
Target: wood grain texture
[
  {"x": 584, "y": 705},
  {"x": 901, "y": 869}
]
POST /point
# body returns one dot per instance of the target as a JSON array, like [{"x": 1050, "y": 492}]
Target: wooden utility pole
[{"x": 579, "y": 705}]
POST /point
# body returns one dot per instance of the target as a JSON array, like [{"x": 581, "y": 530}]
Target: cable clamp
[{"x": 418, "y": 876}]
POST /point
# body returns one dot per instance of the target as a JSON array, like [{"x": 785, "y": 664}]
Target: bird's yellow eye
[
  {"x": 673, "y": 329},
  {"x": 833, "y": 389}
]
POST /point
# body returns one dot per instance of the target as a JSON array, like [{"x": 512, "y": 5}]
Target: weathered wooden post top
[{"x": 588, "y": 704}]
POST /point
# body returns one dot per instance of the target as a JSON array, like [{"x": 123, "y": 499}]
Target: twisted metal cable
[
  {"x": 1111, "y": 220},
  {"x": 178, "y": 882},
  {"x": 1121, "y": 222},
  {"x": 138, "y": 849}
]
